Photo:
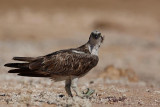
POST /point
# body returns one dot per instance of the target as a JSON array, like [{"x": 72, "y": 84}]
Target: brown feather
[
  {"x": 62, "y": 63},
  {"x": 69, "y": 63},
  {"x": 28, "y": 59}
]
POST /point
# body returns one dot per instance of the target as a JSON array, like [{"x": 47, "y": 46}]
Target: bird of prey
[{"x": 68, "y": 64}]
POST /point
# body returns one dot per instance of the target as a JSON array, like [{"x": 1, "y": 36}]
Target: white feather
[
  {"x": 93, "y": 49},
  {"x": 77, "y": 51}
]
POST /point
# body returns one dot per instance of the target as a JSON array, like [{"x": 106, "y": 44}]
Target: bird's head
[{"x": 95, "y": 38}]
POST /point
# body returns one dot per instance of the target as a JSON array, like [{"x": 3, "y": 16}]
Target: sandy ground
[{"x": 130, "y": 51}]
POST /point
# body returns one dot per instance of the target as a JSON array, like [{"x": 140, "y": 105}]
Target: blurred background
[{"x": 131, "y": 29}]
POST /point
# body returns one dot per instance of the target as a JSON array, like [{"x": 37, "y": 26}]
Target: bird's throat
[{"x": 93, "y": 49}]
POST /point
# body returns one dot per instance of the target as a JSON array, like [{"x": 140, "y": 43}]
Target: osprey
[{"x": 68, "y": 65}]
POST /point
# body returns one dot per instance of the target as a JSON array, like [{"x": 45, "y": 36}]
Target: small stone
[
  {"x": 140, "y": 103},
  {"x": 148, "y": 90},
  {"x": 61, "y": 95},
  {"x": 122, "y": 98},
  {"x": 91, "y": 82},
  {"x": 2, "y": 94}
]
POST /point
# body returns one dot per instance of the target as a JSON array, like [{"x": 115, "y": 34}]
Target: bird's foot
[{"x": 88, "y": 92}]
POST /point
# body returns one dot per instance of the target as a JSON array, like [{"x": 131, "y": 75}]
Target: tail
[
  {"x": 21, "y": 65},
  {"x": 28, "y": 73},
  {"x": 23, "y": 69},
  {"x": 28, "y": 59},
  {"x": 18, "y": 65}
]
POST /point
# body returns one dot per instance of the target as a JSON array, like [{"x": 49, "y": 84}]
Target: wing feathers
[
  {"x": 30, "y": 73},
  {"x": 69, "y": 63},
  {"x": 18, "y": 70},
  {"x": 33, "y": 75},
  {"x": 62, "y": 63},
  {"x": 36, "y": 64},
  {"x": 28, "y": 59},
  {"x": 17, "y": 65}
]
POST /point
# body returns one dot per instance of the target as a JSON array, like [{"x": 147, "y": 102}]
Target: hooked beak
[{"x": 102, "y": 39}]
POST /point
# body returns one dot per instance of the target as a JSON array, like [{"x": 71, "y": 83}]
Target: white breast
[{"x": 93, "y": 50}]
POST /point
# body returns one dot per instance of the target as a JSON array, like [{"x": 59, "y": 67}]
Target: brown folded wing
[{"x": 65, "y": 64}]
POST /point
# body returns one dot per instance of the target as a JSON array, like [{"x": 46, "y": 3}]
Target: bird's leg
[
  {"x": 75, "y": 87},
  {"x": 77, "y": 91},
  {"x": 68, "y": 87}
]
